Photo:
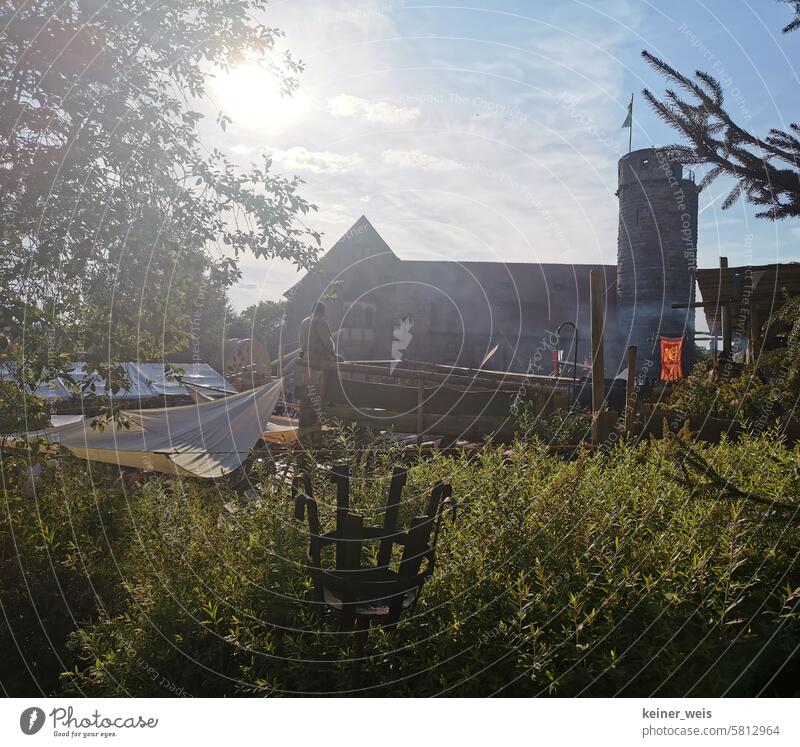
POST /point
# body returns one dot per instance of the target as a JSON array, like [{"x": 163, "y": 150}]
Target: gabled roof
[{"x": 363, "y": 235}]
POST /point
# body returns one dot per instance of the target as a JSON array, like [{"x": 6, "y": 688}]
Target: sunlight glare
[{"x": 251, "y": 96}]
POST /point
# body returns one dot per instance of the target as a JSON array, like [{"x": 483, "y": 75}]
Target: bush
[
  {"x": 760, "y": 392},
  {"x": 58, "y": 565},
  {"x": 744, "y": 397},
  {"x": 567, "y": 427},
  {"x": 598, "y": 576}
]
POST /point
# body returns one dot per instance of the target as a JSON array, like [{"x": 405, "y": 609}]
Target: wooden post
[
  {"x": 420, "y": 409},
  {"x": 596, "y": 291},
  {"x": 725, "y": 314},
  {"x": 630, "y": 391},
  {"x": 321, "y": 393},
  {"x": 280, "y": 356},
  {"x": 755, "y": 331},
  {"x": 306, "y": 413}
]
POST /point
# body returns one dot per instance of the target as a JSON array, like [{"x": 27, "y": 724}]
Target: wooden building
[
  {"x": 452, "y": 312},
  {"x": 382, "y": 307},
  {"x": 739, "y": 301}
]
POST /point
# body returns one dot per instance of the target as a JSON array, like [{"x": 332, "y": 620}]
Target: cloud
[
  {"x": 416, "y": 159},
  {"x": 300, "y": 158},
  {"x": 241, "y": 150},
  {"x": 345, "y": 105}
]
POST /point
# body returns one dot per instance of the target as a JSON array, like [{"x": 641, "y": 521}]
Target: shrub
[
  {"x": 58, "y": 565},
  {"x": 605, "y": 575}
]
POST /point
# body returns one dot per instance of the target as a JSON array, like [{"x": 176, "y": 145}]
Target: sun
[{"x": 251, "y": 96}]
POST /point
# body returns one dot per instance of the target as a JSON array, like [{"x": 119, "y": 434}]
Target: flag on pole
[
  {"x": 629, "y": 119},
  {"x": 629, "y": 124}
]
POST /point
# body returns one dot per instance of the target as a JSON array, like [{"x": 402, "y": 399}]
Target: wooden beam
[
  {"x": 511, "y": 383},
  {"x": 630, "y": 391},
  {"x": 725, "y": 312},
  {"x": 755, "y": 332},
  {"x": 703, "y": 304},
  {"x": 596, "y": 296},
  {"x": 456, "y": 426},
  {"x": 420, "y": 410}
]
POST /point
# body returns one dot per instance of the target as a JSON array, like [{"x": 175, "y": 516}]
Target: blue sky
[{"x": 492, "y": 131}]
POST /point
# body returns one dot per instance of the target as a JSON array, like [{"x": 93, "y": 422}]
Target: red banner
[{"x": 671, "y": 354}]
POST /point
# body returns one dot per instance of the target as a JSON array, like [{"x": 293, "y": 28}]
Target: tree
[
  {"x": 263, "y": 322},
  {"x": 113, "y": 214},
  {"x": 766, "y": 170}
]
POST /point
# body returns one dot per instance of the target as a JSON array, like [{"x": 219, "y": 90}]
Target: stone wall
[{"x": 656, "y": 250}]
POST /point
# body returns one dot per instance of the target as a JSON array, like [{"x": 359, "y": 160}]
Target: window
[
  {"x": 452, "y": 346},
  {"x": 358, "y": 315}
]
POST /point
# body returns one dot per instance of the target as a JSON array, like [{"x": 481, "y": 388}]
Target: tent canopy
[
  {"x": 208, "y": 440},
  {"x": 147, "y": 381}
]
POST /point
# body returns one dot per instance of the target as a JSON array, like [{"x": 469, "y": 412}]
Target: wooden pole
[
  {"x": 321, "y": 393},
  {"x": 755, "y": 331},
  {"x": 630, "y": 129},
  {"x": 630, "y": 390},
  {"x": 420, "y": 409},
  {"x": 596, "y": 291},
  {"x": 725, "y": 314},
  {"x": 280, "y": 353}
]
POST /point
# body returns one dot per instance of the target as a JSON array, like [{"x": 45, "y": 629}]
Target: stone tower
[{"x": 656, "y": 252}]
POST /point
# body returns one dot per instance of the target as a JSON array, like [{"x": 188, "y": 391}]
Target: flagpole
[{"x": 630, "y": 130}]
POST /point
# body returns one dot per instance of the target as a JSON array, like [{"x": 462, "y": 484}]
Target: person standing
[
  {"x": 316, "y": 342},
  {"x": 316, "y": 346}
]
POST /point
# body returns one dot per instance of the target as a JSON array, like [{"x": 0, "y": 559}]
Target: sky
[{"x": 492, "y": 131}]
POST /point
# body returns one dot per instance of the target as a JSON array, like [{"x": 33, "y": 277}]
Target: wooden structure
[
  {"x": 435, "y": 399},
  {"x": 598, "y": 364},
  {"x": 630, "y": 391},
  {"x": 737, "y": 301},
  {"x": 455, "y": 311},
  {"x": 369, "y": 594},
  {"x": 247, "y": 364}
]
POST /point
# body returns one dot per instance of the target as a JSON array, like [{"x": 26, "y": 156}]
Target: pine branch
[
  {"x": 794, "y": 24},
  {"x": 716, "y": 140}
]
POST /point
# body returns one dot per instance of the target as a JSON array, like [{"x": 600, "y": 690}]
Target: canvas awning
[
  {"x": 147, "y": 381},
  {"x": 208, "y": 440}
]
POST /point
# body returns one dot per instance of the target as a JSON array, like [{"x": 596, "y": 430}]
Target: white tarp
[
  {"x": 210, "y": 439},
  {"x": 147, "y": 381}
]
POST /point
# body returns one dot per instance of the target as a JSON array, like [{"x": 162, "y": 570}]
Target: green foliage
[
  {"x": 263, "y": 322},
  {"x": 599, "y": 576},
  {"x": 571, "y": 426},
  {"x": 58, "y": 564},
  {"x": 115, "y": 213},
  {"x": 754, "y": 394},
  {"x": 764, "y": 169},
  {"x": 744, "y": 397}
]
